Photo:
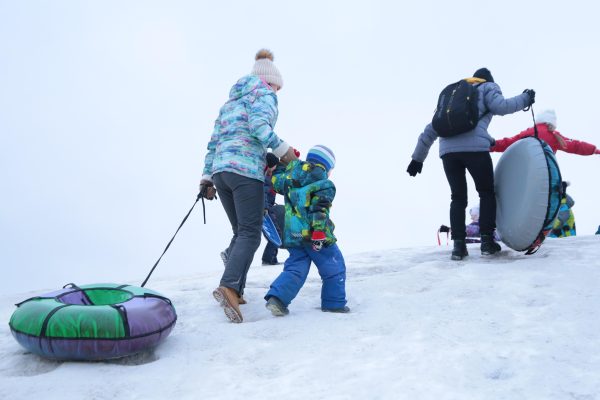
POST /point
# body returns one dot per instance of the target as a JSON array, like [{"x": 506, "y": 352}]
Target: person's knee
[
  {"x": 332, "y": 271},
  {"x": 459, "y": 200},
  {"x": 487, "y": 194},
  {"x": 298, "y": 272},
  {"x": 255, "y": 242},
  {"x": 251, "y": 234}
]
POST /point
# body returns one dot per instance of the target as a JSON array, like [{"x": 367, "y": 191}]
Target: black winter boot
[
  {"x": 488, "y": 246},
  {"x": 460, "y": 250}
]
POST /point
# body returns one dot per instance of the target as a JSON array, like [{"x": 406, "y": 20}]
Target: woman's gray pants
[{"x": 243, "y": 201}]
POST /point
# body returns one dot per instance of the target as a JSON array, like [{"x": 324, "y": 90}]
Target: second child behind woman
[{"x": 269, "y": 256}]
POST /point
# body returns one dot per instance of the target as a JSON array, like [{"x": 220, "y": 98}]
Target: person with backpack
[
  {"x": 545, "y": 124},
  {"x": 234, "y": 168},
  {"x": 464, "y": 112}
]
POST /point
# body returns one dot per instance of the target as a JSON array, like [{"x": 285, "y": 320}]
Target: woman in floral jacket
[{"x": 235, "y": 165}]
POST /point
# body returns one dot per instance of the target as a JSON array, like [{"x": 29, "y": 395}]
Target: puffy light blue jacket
[
  {"x": 491, "y": 102},
  {"x": 244, "y": 131}
]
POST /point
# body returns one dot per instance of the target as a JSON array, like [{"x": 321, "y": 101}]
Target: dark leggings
[{"x": 479, "y": 165}]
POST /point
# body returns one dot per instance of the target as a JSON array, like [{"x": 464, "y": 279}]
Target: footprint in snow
[
  {"x": 145, "y": 357},
  {"x": 26, "y": 364}
]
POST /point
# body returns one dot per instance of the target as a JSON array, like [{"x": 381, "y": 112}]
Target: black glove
[
  {"x": 531, "y": 94},
  {"x": 444, "y": 228},
  {"x": 414, "y": 168},
  {"x": 272, "y": 160}
]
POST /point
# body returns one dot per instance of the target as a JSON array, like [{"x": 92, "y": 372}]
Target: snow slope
[{"x": 421, "y": 327}]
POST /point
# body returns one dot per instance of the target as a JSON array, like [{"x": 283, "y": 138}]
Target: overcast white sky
[{"x": 106, "y": 108}]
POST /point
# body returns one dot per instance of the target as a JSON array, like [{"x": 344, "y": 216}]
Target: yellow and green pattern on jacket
[
  {"x": 564, "y": 224},
  {"x": 308, "y": 196}
]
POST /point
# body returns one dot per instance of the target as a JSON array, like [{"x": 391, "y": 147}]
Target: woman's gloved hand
[
  {"x": 414, "y": 168},
  {"x": 208, "y": 190}
]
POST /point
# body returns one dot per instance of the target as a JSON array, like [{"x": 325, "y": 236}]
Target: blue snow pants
[{"x": 331, "y": 266}]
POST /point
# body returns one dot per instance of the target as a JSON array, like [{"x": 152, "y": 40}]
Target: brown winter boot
[
  {"x": 228, "y": 299},
  {"x": 241, "y": 300}
]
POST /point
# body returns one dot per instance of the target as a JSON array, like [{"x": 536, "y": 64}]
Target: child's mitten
[{"x": 318, "y": 240}]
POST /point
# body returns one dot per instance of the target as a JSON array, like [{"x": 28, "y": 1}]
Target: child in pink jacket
[{"x": 546, "y": 127}]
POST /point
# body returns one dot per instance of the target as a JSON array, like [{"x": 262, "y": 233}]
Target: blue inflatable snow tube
[{"x": 528, "y": 188}]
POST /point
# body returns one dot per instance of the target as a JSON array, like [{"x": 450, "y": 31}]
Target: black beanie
[
  {"x": 272, "y": 160},
  {"x": 484, "y": 73}
]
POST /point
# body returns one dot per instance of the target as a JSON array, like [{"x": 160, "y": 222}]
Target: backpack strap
[{"x": 487, "y": 111}]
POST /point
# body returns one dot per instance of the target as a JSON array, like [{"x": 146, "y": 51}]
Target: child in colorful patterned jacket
[
  {"x": 308, "y": 233},
  {"x": 564, "y": 223}
]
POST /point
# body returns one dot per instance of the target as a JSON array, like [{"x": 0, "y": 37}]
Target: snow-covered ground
[{"x": 421, "y": 327}]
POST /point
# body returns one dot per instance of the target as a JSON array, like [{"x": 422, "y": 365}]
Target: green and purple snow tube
[{"x": 93, "y": 322}]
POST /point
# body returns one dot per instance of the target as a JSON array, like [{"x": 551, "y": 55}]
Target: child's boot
[
  {"x": 342, "y": 310},
  {"x": 276, "y": 307}
]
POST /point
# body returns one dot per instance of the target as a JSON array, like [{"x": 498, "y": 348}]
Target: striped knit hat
[{"x": 320, "y": 154}]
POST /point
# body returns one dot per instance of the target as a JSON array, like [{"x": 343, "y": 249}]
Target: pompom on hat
[
  {"x": 320, "y": 154},
  {"x": 265, "y": 69},
  {"x": 547, "y": 117},
  {"x": 474, "y": 212}
]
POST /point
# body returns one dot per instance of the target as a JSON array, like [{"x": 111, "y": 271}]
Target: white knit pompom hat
[
  {"x": 474, "y": 212},
  {"x": 547, "y": 117},
  {"x": 265, "y": 69}
]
